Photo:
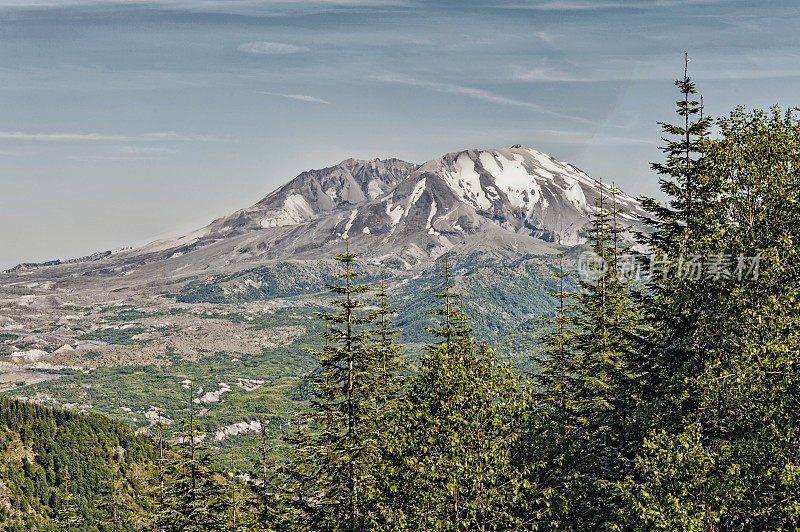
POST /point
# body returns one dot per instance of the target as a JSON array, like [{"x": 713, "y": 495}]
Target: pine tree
[
  {"x": 451, "y": 323},
  {"x": 233, "y": 502},
  {"x": 579, "y": 444},
  {"x": 327, "y": 475},
  {"x": 555, "y": 415},
  {"x": 605, "y": 323},
  {"x": 268, "y": 509},
  {"x": 157, "y": 478},
  {"x": 683, "y": 230},
  {"x": 194, "y": 499},
  {"x": 386, "y": 350},
  {"x": 449, "y": 463},
  {"x": 387, "y": 388},
  {"x": 723, "y": 456},
  {"x": 118, "y": 513},
  {"x": 685, "y": 179},
  {"x": 68, "y": 519},
  {"x": 556, "y": 375}
]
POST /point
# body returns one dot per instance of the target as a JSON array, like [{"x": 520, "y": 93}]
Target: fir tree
[
  {"x": 555, "y": 416},
  {"x": 605, "y": 324},
  {"x": 268, "y": 509},
  {"x": 194, "y": 499},
  {"x": 118, "y": 513},
  {"x": 682, "y": 231},
  {"x": 386, "y": 352},
  {"x": 449, "y": 464},
  {"x": 326, "y": 475},
  {"x": 722, "y": 459},
  {"x": 233, "y": 501},
  {"x": 157, "y": 478},
  {"x": 68, "y": 519},
  {"x": 579, "y": 444}
]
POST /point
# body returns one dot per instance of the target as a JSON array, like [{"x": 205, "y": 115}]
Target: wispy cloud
[
  {"x": 586, "y": 137},
  {"x": 147, "y": 137},
  {"x": 112, "y": 158},
  {"x": 300, "y": 97},
  {"x": 539, "y": 73},
  {"x": 271, "y": 48},
  {"x": 775, "y": 64},
  {"x": 478, "y": 94},
  {"x": 146, "y": 150},
  {"x": 274, "y": 7},
  {"x": 594, "y": 5}
]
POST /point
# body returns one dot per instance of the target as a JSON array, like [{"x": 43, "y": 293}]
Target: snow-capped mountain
[
  {"x": 518, "y": 189},
  {"x": 508, "y": 200}
]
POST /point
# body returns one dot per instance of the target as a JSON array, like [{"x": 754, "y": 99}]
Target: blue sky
[{"x": 125, "y": 121}]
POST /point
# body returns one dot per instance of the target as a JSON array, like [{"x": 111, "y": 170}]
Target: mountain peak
[{"x": 486, "y": 199}]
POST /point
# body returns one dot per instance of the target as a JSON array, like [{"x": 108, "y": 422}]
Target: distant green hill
[{"x": 57, "y": 464}]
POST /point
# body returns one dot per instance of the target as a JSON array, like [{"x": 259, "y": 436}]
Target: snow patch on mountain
[
  {"x": 395, "y": 213},
  {"x": 428, "y": 224},
  {"x": 349, "y": 223}
]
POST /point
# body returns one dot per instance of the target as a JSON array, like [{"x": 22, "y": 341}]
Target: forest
[{"x": 668, "y": 402}]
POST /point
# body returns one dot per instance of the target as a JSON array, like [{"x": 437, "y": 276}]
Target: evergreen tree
[
  {"x": 327, "y": 470},
  {"x": 580, "y": 444},
  {"x": 557, "y": 371},
  {"x": 727, "y": 461},
  {"x": 235, "y": 495},
  {"x": 684, "y": 176},
  {"x": 386, "y": 353},
  {"x": 118, "y": 513},
  {"x": 68, "y": 519},
  {"x": 605, "y": 324},
  {"x": 682, "y": 231},
  {"x": 194, "y": 499},
  {"x": 268, "y": 510},
  {"x": 449, "y": 464},
  {"x": 555, "y": 414},
  {"x": 157, "y": 478}
]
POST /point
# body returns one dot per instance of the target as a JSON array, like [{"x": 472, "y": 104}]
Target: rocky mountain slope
[{"x": 511, "y": 200}]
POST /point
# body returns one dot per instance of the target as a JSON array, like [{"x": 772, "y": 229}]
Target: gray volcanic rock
[
  {"x": 317, "y": 192},
  {"x": 518, "y": 189}
]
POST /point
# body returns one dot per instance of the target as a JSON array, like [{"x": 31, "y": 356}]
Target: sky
[{"x": 126, "y": 121}]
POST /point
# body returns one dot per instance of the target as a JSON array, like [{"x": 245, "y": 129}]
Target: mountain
[
  {"x": 231, "y": 305},
  {"x": 306, "y": 198},
  {"x": 397, "y": 210},
  {"x": 492, "y": 197},
  {"x": 510, "y": 200}
]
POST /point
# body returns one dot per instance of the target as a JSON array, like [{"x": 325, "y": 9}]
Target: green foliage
[
  {"x": 115, "y": 336},
  {"x": 334, "y": 443},
  {"x": 447, "y": 461},
  {"x": 194, "y": 499},
  {"x": 281, "y": 279},
  {"x": 56, "y": 465},
  {"x": 737, "y": 380}
]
